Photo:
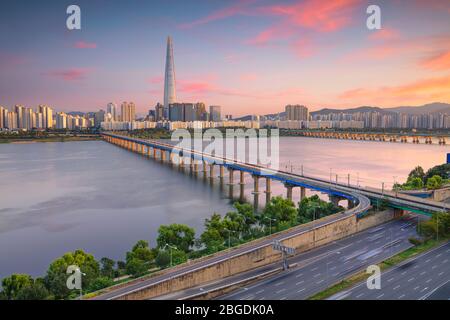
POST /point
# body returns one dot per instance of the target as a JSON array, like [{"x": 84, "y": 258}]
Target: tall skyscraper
[
  {"x": 169, "y": 79},
  {"x": 47, "y": 116}
]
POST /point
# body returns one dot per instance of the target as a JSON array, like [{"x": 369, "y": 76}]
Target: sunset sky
[{"x": 249, "y": 56}]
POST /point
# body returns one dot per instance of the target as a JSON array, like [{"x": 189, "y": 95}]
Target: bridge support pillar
[
  {"x": 289, "y": 191},
  {"x": 231, "y": 176},
  {"x": 221, "y": 172},
  {"x": 163, "y": 155},
  {"x": 211, "y": 171},
  {"x": 255, "y": 192},
  {"x": 335, "y": 200},
  {"x": 268, "y": 190},
  {"x": 302, "y": 193}
]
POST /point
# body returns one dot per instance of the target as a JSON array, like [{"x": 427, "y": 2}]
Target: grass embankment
[{"x": 386, "y": 264}]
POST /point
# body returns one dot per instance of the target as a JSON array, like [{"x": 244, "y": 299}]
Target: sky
[{"x": 248, "y": 56}]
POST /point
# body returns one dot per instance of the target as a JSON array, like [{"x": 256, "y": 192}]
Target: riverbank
[{"x": 49, "y": 139}]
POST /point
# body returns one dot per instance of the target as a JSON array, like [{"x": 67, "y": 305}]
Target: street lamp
[
  {"x": 170, "y": 247},
  {"x": 270, "y": 223},
  {"x": 229, "y": 236}
]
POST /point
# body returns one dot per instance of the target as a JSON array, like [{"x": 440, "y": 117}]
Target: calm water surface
[{"x": 57, "y": 197}]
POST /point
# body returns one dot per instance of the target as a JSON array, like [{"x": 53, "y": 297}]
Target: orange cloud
[
  {"x": 421, "y": 91},
  {"x": 440, "y": 61}
]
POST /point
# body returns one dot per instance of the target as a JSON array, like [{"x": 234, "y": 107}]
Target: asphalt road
[
  {"x": 333, "y": 263},
  {"x": 427, "y": 276}
]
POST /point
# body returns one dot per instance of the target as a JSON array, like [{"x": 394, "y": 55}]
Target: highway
[
  {"x": 332, "y": 263},
  {"x": 426, "y": 276}
]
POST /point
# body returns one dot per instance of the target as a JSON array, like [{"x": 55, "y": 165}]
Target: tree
[
  {"x": 56, "y": 277},
  {"x": 107, "y": 267},
  {"x": 213, "y": 237},
  {"x": 313, "y": 208},
  {"x": 442, "y": 170},
  {"x": 100, "y": 283},
  {"x": 163, "y": 258},
  {"x": 138, "y": 260},
  {"x": 178, "y": 235},
  {"x": 35, "y": 291},
  {"x": 417, "y": 172},
  {"x": 247, "y": 212},
  {"x": 435, "y": 182},
  {"x": 280, "y": 211},
  {"x": 14, "y": 283}
]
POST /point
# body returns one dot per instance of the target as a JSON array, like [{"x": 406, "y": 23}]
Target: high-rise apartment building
[
  {"x": 214, "y": 113},
  {"x": 296, "y": 112},
  {"x": 128, "y": 112},
  {"x": 111, "y": 108},
  {"x": 47, "y": 116}
]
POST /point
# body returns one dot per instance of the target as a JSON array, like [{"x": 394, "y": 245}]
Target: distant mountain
[{"x": 436, "y": 107}]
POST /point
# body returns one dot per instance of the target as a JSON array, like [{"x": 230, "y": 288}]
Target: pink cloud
[
  {"x": 321, "y": 16},
  {"x": 247, "y": 77},
  {"x": 72, "y": 74},
  {"x": 8, "y": 60},
  {"x": 85, "y": 45}
]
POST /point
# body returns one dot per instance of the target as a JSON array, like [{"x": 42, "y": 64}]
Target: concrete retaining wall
[{"x": 263, "y": 256}]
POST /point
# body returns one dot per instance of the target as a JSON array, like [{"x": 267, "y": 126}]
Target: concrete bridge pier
[
  {"x": 335, "y": 199},
  {"x": 289, "y": 188},
  {"x": 255, "y": 192},
  {"x": 205, "y": 169},
  {"x": 211, "y": 171},
  {"x": 163, "y": 155},
  {"x": 268, "y": 190},
  {"x": 302, "y": 193},
  {"x": 154, "y": 153},
  {"x": 221, "y": 173}
]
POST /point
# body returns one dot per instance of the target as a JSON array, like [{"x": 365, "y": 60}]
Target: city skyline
[{"x": 281, "y": 56}]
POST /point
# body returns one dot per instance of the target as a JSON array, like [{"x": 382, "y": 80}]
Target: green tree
[
  {"x": 163, "y": 258},
  {"x": 14, "y": 283},
  {"x": 281, "y": 211},
  {"x": 100, "y": 283},
  {"x": 56, "y": 277},
  {"x": 138, "y": 260},
  {"x": 313, "y": 208},
  {"x": 35, "y": 291},
  {"x": 435, "y": 182},
  {"x": 107, "y": 267},
  {"x": 178, "y": 235},
  {"x": 213, "y": 237},
  {"x": 442, "y": 170},
  {"x": 417, "y": 172}
]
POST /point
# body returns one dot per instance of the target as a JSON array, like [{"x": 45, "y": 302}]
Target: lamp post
[
  {"x": 170, "y": 247},
  {"x": 270, "y": 223},
  {"x": 229, "y": 236}
]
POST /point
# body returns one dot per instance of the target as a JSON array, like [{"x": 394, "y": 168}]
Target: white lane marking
[
  {"x": 440, "y": 254},
  {"x": 332, "y": 268},
  {"x": 434, "y": 267},
  {"x": 401, "y": 296},
  {"x": 404, "y": 272},
  {"x": 397, "y": 287},
  {"x": 390, "y": 279},
  {"x": 424, "y": 289},
  {"x": 422, "y": 273},
  {"x": 428, "y": 260},
  {"x": 360, "y": 295},
  {"x": 440, "y": 274},
  {"x": 380, "y": 296},
  {"x": 411, "y": 279},
  {"x": 299, "y": 275},
  {"x": 429, "y": 280},
  {"x": 279, "y": 283},
  {"x": 300, "y": 290},
  {"x": 416, "y": 288},
  {"x": 445, "y": 261},
  {"x": 299, "y": 283},
  {"x": 316, "y": 275},
  {"x": 314, "y": 269},
  {"x": 260, "y": 291},
  {"x": 280, "y": 291},
  {"x": 320, "y": 281}
]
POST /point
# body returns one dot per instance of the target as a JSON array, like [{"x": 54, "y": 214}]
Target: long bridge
[
  {"x": 260, "y": 252},
  {"x": 373, "y": 136},
  {"x": 359, "y": 198}
]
